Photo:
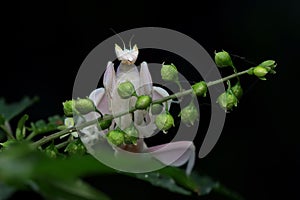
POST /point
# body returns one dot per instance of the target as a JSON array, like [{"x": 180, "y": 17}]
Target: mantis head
[{"x": 126, "y": 56}]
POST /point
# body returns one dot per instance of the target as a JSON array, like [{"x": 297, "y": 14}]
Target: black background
[{"x": 258, "y": 154}]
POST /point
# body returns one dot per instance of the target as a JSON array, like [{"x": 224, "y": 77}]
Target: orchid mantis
[{"x": 108, "y": 101}]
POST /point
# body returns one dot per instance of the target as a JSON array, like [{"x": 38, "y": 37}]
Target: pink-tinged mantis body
[{"x": 108, "y": 101}]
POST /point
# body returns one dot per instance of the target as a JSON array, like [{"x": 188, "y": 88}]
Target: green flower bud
[
  {"x": 68, "y": 107},
  {"x": 156, "y": 109},
  {"x": 84, "y": 106},
  {"x": 200, "y": 89},
  {"x": 169, "y": 72},
  {"x": 227, "y": 100},
  {"x": 51, "y": 151},
  {"x": 237, "y": 90},
  {"x": 164, "y": 121},
  {"x": 260, "y": 72},
  {"x": 189, "y": 114},
  {"x": 269, "y": 64},
  {"x": 75, "y": 148},
  {"x": 143, "y": 102},
  {"x": 223, "y": 59},
  {"x": 104, "y": 124},
  {"x": 131, "y": 135},
  {"x": 126, "y": 90},
  {"x": 116, "y": 137}
]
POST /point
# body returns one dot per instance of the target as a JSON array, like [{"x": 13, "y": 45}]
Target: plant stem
[
  {"x": 30, "y": 136},
  {"x": 110, "y": 117},
  {"x": 211, "y": 83},
  {"x": 54, "y": 136},
  {"x": 7, "y": 130},
  {"x": 63, "y": 144}
]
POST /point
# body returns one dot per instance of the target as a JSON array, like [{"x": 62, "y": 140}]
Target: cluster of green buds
[
  {"x": 118, "y": 137},
  {"x": 143, "y": 102},
  {"x": 75, "y": 147},
  {"x": 126, "y": 90},
  {"x": 189, "y": 114},
  {"x": 227, "y": 100},
  {"x": 104, "y": 122},
  {"x": 237, "y": 90},
  {"x": 78, "y": 106},
  {"x": 52, "y": 151},
  {"x": 223, "y": 59},
  {"x": 164, "y": 121},
  {"x": 169, "y": 72},
  {"x": 230, "y": 97},
  {"x": 200, "y": 89},
  {"x": 263, "y": 69},
  {"x": 156, "y": 108}
]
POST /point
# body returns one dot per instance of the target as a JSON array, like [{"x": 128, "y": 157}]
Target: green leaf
[
  {"x": 224, "y": 191},
  {"x": 163, "y": 181},
  {"x": 41, "y": 126},
  {"x": 9, "y": 111},
  {"x": 2, "y": 120},
  {"x": 67, "y": 189},
  {"x": 6, "y": 191},
  {"x": 204, "y": 184},
  {"x": 175, "y": 180},
  {"x": 16, "y": 163},
  {"x": 21, "y": 165},
  {"x": 21, "y": 130},
  {"x": 20, "y": 162},
  {"x": 181, "y": 178}
]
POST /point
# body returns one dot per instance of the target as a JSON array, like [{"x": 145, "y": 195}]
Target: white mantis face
[{"x": 127, "y": 56}]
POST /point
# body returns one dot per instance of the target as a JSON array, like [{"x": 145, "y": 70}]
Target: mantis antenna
[
  {"x": 130, "y": 42},
  {"x": 119, "y": 37}
]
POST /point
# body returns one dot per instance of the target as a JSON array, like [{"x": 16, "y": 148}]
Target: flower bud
[
  {"x": 156, "y": 109},
  {"x": 227, "y": 100},
  {"x": 200, "y": 89},
  {"x": 104, "y": 124},
  {"x": 75, "y": 148},
  {"x": 223, "y": 59},
  {"x": 237, "y": 90},
  {"x": 51, "y": 151},
  {"x": 116, "y": 137},
  {"x": 143, "y": 102},
  {"x": 169, "y": 73},
  {"x": 126, "y": 90},
  {"x": 189, "y": 114},
  {"x": 84, "y": 106},
  {"x": 68, "y": 107},
  {"x": 164, "y": 121},
  {"x": 131, "y": 135},
  {"x": 260, "y": 72},
  {"x": 269, "y": 64}
]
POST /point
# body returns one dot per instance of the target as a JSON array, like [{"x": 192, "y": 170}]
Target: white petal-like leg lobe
[
  {"x": 145, "y": 87},
  {"x": 147, "y": 127},
  {"x": 119, "y": 105},
  {"x": 175, "y": 154},
  {"x": 91, "y": 135},
  {"x": 109, "y": 78},
  {"x": 159, "y": 93},
  {"x": 100, "y": 99}
]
